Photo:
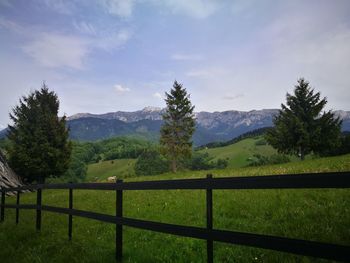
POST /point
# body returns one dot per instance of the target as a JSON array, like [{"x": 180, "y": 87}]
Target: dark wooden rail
[{"x": 296, "y": 246}]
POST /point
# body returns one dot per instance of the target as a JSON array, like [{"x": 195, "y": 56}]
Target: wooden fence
[{"x": 296, "y": 246}]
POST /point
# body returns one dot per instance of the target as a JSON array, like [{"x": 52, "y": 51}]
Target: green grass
[
  {"x": 238, "y": 153},
  {"x": 321, "y": 215},
  {"x": 122, "y": 168}
]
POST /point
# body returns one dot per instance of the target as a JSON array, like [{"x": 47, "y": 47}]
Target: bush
[
  {"x": 259, "y": 160},
  {"x": 278, "y": 158},
  {"x": 201, "y": 161},
  {"x": 221, "y": 163},
  {"x": 151, "y": 163},
  {"x": 343, "y": 148}
]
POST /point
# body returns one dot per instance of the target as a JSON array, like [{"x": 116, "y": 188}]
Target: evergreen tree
[
  {"x": 302, "y": 127},
  {"x": 39, "y": 145},
  {"x": 178, "y": 127}
]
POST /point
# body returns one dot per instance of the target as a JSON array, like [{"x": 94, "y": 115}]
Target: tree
[
  {"x": 39, "y": 145},
  {"x": 302, "y": 126},
  {"x": 178, "y": 127}
]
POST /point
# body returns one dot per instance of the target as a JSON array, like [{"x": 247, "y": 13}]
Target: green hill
[
  {"x": 238, "y": 154},
  {"x": 320, "y": 215}
]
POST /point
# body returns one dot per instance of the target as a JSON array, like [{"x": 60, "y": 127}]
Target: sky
[{"x": 109, "y": 55}]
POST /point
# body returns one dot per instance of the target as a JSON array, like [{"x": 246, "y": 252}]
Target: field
[
  {"x": 239, "y": 153},
  {"x": 322, "y": 215},
  {"x": 121, "y": 168}
]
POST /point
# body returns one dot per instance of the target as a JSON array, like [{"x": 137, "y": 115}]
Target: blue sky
[{"x": 109, "y": 55}]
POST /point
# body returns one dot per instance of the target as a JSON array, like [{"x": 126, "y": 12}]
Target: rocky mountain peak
[{"x": 151, "y": 109}]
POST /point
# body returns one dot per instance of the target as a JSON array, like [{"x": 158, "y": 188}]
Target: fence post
[
  {"x": 38, "y": 209},
  {"x": 17, "y": 208},
  {"x": 119, "y": 227},
  {"x": 2, "y": 206},
  {"x": 70, "y": 217},
  {"x": 209, "y": 195}
]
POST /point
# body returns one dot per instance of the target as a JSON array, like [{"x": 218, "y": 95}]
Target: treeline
[
  {"x": 85, "y": 153},
  {"x": 152, "y": 162}
]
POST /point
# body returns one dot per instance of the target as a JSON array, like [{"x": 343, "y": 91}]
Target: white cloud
[
  {"x": 121, "y": 8},
  {"x": 185, "y": 57},
  {"x": 60, "y": 6},
  {"x": 85, "y": 28},
  {"x": 193, "y": 8},
  {"x": 12, "y": 26},
  {"x": 120, "y": 89},
  {"x": 157, "y": 95},
  {"x": 113, "y": 40},
  {"x": 206, "y": 73},
  {"x": 57, "y": 50},
  {"x": 233, "y": 97}
]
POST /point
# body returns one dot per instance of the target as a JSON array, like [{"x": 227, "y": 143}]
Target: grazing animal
[{"x": 112, "y": 179}]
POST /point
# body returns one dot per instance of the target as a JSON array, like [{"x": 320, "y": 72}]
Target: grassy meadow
[
  {"x": 238, "y": 154},
  {"x": 321, "y": 215},
  {"x": 100, "y": 171}
]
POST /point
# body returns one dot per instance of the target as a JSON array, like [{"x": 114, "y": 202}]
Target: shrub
[
  {"x": 259, "y": 160},
  {"x": 221, "y": 163},
  {"x": 201, "y": 161},
  {"x": 151, "y": 163}
]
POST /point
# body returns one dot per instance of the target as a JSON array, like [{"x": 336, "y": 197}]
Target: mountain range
[
  {"x": 210, "y": 126},
  {"x": 146, "y": 123}
]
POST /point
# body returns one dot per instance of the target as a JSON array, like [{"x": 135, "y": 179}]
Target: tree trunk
[
  {"x": 302, "y": 154},
  {"x": 173, "y": 166},
  {"x": 40, "y": 179}
]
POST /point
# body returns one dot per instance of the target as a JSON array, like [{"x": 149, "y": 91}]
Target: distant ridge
[{"x": 210, "y": 126}]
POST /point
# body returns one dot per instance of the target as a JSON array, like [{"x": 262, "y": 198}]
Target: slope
[{"x": 238, "y": 154}]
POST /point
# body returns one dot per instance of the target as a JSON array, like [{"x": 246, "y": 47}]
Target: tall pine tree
[
  {"x": 39, "y": 145},
  {"x": 302, "y": 127},
  {"x": 178, "y": 127}
]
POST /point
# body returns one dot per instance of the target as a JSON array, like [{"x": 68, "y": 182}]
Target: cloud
[
  {"x": 121, "y": 8},
  {"x": 194, "y": 8},
  {"x": 234, "y": 97},
  {"x": 206, "y": 73},
  {"x": 85, "y": 28},
  {"x": 12, "y": 26},
  {"x": 185, "y": 57},
  {"x": 60, "y": 6},
  {"x": 57, "y": 50},
  {"x": 157, "y": 95},
  {"x": 120, "y": 89},
  {"x": 113, "y": 40}
]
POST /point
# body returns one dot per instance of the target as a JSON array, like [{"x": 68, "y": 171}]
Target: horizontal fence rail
[
  {"x": 288, "y": 181},
  {"x": 283, "y": 244}
]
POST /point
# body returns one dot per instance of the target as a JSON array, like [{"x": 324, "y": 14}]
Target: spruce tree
[
  {"x": 178, "y": 127},
  {"x": 302, "y": 127},
  {"x": 39, "y": 145}
]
